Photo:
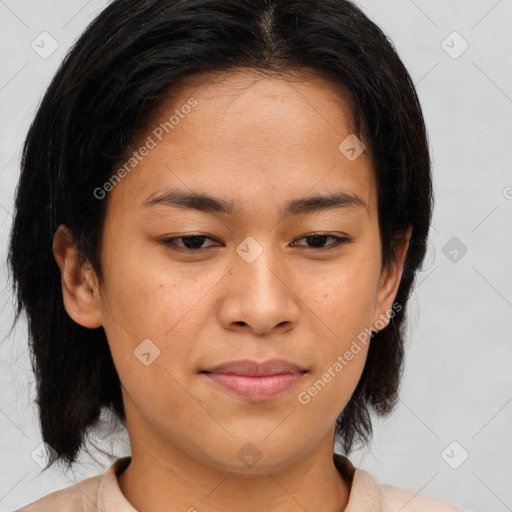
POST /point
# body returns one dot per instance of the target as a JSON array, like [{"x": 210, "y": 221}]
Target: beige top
[{"x": 102, "y": 493}]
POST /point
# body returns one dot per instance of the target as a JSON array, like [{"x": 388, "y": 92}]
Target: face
[{"x": 268, "y": 273}]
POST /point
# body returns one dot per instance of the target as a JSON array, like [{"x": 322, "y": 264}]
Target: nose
[{"x": 260, "y": 296}]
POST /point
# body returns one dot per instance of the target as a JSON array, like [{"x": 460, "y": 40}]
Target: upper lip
[{"x": 257, "y": 369}]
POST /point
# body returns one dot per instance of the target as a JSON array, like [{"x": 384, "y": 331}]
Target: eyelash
[{"x": 168, "y": 242}]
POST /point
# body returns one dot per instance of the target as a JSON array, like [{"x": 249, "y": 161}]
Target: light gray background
[{"x": 458, "y": 381}]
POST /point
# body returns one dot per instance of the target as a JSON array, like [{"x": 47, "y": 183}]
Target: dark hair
[{"x": 112, "y": 81}]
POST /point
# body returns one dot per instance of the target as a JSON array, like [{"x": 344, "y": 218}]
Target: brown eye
[
  {"x": 191, "y": 243},
  {"x": 320, "y": 239}
]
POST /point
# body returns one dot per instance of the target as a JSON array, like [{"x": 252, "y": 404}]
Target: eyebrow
[{"x": 209, "y": 204}]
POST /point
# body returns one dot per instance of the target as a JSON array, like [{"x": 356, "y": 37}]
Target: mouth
[
  {"x": 255, "y": 381},
  {"x": 251, "y": 368}
]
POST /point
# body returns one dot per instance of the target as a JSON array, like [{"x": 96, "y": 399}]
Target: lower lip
[{"x": 255, "y": 388}]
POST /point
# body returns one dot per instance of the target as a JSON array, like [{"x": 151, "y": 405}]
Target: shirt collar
[{"x": 365, "y": 493}]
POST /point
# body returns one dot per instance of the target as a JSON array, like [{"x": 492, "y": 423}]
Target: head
[{"x": 260, "y": 105}]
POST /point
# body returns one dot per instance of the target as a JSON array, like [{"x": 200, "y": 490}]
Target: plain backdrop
[{"x": 450, "y": 436}]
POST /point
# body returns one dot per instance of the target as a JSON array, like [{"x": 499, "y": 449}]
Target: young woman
[{"x": 221, "y": 210}]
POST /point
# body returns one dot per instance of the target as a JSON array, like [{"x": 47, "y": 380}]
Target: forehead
[
  {"x": 249, "y": 132},
  {"x": 241, "y": 84},
  {"x": 249, "y": 97}
]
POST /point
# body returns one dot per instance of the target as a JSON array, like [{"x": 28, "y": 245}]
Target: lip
[
  {"x": 251, "y": 368},
  {"x": 256, "y": 381}
]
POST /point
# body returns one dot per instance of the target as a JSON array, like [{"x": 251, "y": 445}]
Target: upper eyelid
[
  {"x": 204, "y": 235},
  {"x": 339, "y": 238}
]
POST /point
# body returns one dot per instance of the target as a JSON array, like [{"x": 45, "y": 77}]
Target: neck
[{"x": 157, "y": 484}]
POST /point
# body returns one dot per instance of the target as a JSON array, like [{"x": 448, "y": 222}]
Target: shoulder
[
  {"x": 80, "y": 497},
  {"x": 368, "y": 495},
  {"x": 397, "y": 498},
  {"x": 96, "y": 493}
]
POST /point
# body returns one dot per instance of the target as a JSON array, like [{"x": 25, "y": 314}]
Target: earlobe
[
  {"x": 79, "y": 286},
  {"x": 390, "y": 281}
]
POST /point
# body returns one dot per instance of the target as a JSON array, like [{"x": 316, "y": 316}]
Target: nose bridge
[
  {"x": 259, "y": 264},
  {"x": 261, "y": 296}
]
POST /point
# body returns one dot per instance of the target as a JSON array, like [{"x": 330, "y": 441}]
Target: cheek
[
  {"x": 345, "y": 299},
  {"x": 152, "y": 298},
  {"x": 340, "y": 356},
  {"x": 342, "y": 338},
  {"x": 146, "y": 292},
  {"x": 344, "y": 302}
]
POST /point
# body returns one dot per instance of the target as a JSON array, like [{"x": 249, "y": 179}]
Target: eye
[
  {"x": 320, "y": 238},
  {"x": 194, "y": 243}
]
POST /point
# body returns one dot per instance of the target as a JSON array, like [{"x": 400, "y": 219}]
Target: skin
[{"x": 258, "y": 142}]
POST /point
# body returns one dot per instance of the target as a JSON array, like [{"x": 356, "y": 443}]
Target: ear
[
  {"x": 80, "y": 289},
  {"x": 390, "y": 281}
]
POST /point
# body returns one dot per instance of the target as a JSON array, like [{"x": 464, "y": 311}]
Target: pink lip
[
  {"x": 256, "y": 381},
  {"x": 257, "y": 369},
  {"x": 255, "y": 388}
]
